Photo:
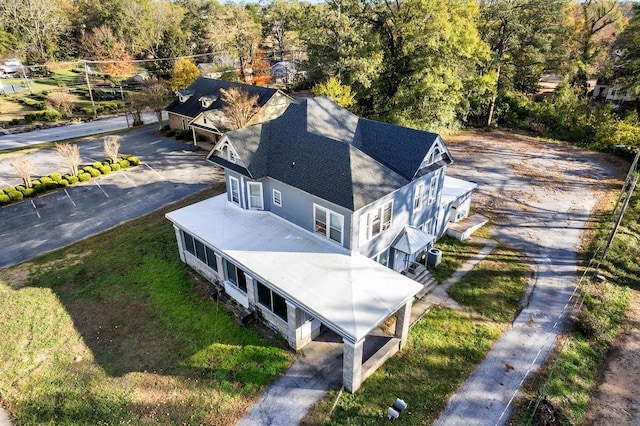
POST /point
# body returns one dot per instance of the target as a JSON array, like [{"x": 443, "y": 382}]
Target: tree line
[{"x": 431, "y": 64}]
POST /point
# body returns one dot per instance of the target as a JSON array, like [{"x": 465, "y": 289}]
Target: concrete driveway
[
  {"x": 540, "y": 196},
  {"x": 170, "y": 171}
]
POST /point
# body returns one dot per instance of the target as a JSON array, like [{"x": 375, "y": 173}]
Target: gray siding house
[{"x": 324, "y": 212}]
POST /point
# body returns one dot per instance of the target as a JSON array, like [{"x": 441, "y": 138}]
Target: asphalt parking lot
[{"x": 170, "y": 170}]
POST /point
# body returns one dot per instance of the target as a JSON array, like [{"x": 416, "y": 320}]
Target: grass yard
[
  {"x": 454, "y": 254},
  {"x": 494, "y": 288},
  {"x": 444, "y": 347},
  {"x": 112, "y": 330}
]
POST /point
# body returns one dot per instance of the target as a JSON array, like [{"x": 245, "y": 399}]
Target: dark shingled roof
[
  {"x": 211, "y": 88},
  {"x": 331, "y": 153}
]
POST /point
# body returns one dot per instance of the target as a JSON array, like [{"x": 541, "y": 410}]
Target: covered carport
[{"x": 319, "y": 280}]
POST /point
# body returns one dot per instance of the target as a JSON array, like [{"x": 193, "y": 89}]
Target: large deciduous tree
[
  {"x": 628, "y": 66},
  {"x": 35, "y": 23},
  {"x": 184, "y": 73},
  {"x": 102, "y": 45},
  {"x": 154, "y": 96},
  {"x": 238, "y": 106}
]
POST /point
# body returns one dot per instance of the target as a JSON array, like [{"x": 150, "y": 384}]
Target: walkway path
[{"x": 319, "y": 367}]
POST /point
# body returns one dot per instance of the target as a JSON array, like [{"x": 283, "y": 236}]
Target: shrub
[
  {"x": 94, "y": 172},
  {"x": 4, "y": 199},
  {"x": 51, "y": 185},
  {"x": 20, "y": 188},
  {"x": 56, "y": 177},
  {"x": 590, "y": 325},
  {"x": 9, "y": 189},
  {"x": 171, "y": 132},
  {"x": 15, "y": 195},
  {"x": 96, "y": 165},
  {"x": 83, "y": 177},
  {"x": 72, "y": 179},
  {"x": 28, "y": 192},
  {"x": 134, "y": 161},
  {"x": 88, "y": 169},
  {"x": 115, "y": 167},
  {"x": 63, "y": 183},
  {"x": 124, "y": 163},
  {"x": 35, "y": 182},
  {"x": 46, "y": 115},
  {"x": 45, "y": 179},
  {"x": 41, "y": 187},
  {"x": 183, "y": 134},
  {"x": 105, "y": 170}
]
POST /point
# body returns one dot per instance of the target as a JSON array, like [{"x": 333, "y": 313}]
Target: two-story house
[
  {"x": 322, "y": 211},
  {"x": 200, "y": 108}
]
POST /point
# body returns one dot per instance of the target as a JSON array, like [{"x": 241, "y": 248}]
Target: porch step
[{"x": 427, "y": 281}]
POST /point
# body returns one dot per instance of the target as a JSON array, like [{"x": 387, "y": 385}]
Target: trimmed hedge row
[{"x": 56, "y": 180}]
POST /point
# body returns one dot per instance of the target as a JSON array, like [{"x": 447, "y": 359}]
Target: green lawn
[
  {"x": 454, "y": 254},
  {"x": 113, "y": 330},
  {"x": 494, "y": 288}
]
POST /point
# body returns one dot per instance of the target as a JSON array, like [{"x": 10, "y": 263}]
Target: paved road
[
  {"x": 541, "y": 197},
  {"x": 170, "y": 171},
  {"x": 21, "y": 140}
]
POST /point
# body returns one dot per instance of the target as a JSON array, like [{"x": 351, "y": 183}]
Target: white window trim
[
  {"x": 231, "y": 180},
  {"x": 279, "y": 197},
  {"x": 369, "y": 224},
  {"x": 250, "y": 205},
  {"x": 376, "y": 258},
  {"x": 433, "y": 189},
  {"x": 417, "y": 197},
  {"x": 328, "y": 223}
]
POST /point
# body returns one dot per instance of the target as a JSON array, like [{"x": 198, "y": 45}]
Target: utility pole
[
  {"x": 624, "y": 207},
  {"x": 93, "y": 104}
]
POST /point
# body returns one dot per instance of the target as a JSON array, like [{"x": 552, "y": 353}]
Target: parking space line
[
  {"x": 155, "y": 142},
  {"x": 128, "y": 178},
  {"x": 34, "y": 207},
  {"x": 157, "y": 172},
  {"x": 101, "y": 188},
  {"x": 69, "y": 196}
]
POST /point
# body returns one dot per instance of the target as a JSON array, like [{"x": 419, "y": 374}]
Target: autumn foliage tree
[
  {"x": 102, "y": 45},
  {"x": 238, "y": 106},
  {"x": 184, "y": 73}
]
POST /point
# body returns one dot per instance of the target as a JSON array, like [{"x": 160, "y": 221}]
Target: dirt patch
[
  {"x": 19, "y": 275},
  {"x": 616, "y": 400}
]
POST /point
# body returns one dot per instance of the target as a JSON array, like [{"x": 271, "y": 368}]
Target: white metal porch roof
[
  {"x": 349, "y": 293},
  {"x": 454, "y": 188}
]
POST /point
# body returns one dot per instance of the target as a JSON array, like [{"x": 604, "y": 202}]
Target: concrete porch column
[
  {"x": 251, "y": 293},
  {"x": 180, "y": 243},
  {"x": 403, "y": 320},
  {"x": 298, "y": 334},
  {"x": 352, "y": 365}
]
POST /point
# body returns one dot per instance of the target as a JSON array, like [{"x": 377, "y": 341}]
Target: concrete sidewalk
[{"x": 318, "y": 368}]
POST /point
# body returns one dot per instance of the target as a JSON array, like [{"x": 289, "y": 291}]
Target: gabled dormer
[
  {"x": 184, "y": 95},
  {"x": 437, "y": 157},
  {"x": 207, "y": 101},
  {"x": 225, "y": 150}
]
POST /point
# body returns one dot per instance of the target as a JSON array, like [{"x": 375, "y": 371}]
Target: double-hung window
[
  {"x": 272, "y": 301},
  {"x": 433, "y": 186},
  {"x": 417, "y": 197},
  {"x": 234, "y": 187},
  {"x": 235, "y": 275},
  {"x": 255, "y": 195},
  {"x": 375, "y": 221},
  {"x": 328, "y": 223}
]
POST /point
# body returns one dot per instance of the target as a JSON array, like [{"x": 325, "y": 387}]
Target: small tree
[
  {"x": 154, "y": 96},
  {"x": 184, "y": 73},
  {"x": 111, "y": 147},
  {"x": 24, "y": 169},
  {"x": 70, "y": 155},
  {"x": 238, "y": 106},
  {"x": 336, "y": 91},
  {"x": 61, "y": 100}
]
